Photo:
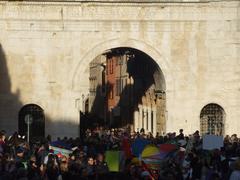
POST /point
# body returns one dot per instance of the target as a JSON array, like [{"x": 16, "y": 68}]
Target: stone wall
[{"x": 46, "y": 48}]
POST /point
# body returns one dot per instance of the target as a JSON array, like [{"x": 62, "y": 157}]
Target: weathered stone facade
[{"x": 46, "y": 48}]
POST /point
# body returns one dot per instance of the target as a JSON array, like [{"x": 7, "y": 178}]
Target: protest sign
[
  {"x": 211, "y": 142},
  {"x": 115, "y": 160}
]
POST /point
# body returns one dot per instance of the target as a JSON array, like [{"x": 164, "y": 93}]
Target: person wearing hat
[
  {"x": 19, "y": 153},
  {"x": 20, "y": 162}
]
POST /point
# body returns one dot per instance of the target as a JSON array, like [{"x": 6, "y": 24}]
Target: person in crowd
[
  {"x": 235, "y": 175},
  {"x": 101, "y": 166},
  {"x": 42, "y": 153},
  {"x": 20, "y": 162},
  {"x": 51, "y": 168},
  {"x": 35, "y": 161},
  {"x": 2, "y": 142},
  {"x": 89, "y": 171},
  {"x": 33, "y": 170},
  {"x": 181, "y": 135},
  {"x": 64, "y": 168}
]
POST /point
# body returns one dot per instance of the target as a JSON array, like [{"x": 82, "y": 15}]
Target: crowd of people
[{"x": 20, "y": 160}]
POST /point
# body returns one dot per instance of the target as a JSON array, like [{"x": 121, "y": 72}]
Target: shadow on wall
[
  {"x": 127, "y": 101},
  {"x": 13, "y": 111},
  {"x": 10, "y": 103},
  {"x": 97, "y": 111},
  {"x": 147, "y": 80},
  {"x": 61, "y": 128}
]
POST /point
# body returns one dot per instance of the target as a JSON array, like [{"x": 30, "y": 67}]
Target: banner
[{"x": 62, "y": 151}]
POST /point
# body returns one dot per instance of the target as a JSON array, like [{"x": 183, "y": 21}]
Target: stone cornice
[
  {"x": 61, "y": 11},
  {"x": 125, "y": 3},
  {"x": 136, "y": 1},
  {"x": 119, "y": 1}
]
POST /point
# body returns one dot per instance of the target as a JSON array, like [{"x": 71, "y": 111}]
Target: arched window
[
  {"x": 212, "y": 119},
  {"x": 33, "y": 115}
]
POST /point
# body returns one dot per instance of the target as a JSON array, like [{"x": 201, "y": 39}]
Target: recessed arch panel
[
  {"x": 212, "y": 119},
  {"x": 33, "y": 115}
]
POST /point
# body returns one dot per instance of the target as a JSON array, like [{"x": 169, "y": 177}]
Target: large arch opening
[
  {"x": 127, "y": 89},
  {"x": 212, "y": 119},
  {"x": 31, "y": 122}
]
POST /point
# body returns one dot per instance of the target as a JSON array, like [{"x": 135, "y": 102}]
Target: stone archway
[
  {"x": 156, "y": 107},
  {"x": 81, "y": 72}
]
